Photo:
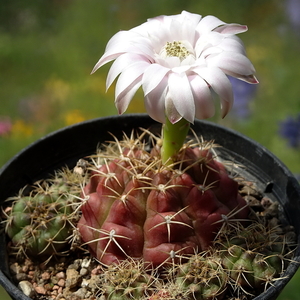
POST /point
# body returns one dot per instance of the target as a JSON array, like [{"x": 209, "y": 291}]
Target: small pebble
[
  {"x": 61, "y": 282},
  {"x": 72, "y": 278},
  {"x": 80, "y": 293},
  {"x": 45, "y": 276},
  {"x": 83, "y": 271},
  {"x": 85, "y": 263},
  {"x": 84, "y": 282},
  {"x": 61, "y": 275},
  {"x": 40, "y": 290},
  {"x": 31, "y": 274},
  {"x": 15, "y": 268},
  {"x": 21, "y": 276},
  {"x": 27, "y": 288}
]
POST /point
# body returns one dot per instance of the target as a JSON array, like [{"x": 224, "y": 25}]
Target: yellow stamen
[{"x": 176, "y": 48}]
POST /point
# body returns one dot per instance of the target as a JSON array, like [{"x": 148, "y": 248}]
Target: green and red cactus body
[{"x": 138, "y": 211}]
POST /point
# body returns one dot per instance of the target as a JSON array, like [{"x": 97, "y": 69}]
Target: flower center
[{"x": 176, "y": 48}]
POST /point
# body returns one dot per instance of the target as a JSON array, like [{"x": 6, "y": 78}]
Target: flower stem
[{"x": 173, "y": 138}]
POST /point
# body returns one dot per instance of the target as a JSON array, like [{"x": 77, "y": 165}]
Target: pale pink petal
[
  {"x": 204, "y": 103},
  {"x": 121, "y": 63},
  {"x": 231, "y": 63},
  {"x": 155, "y": 101},
  {"x": 171, "y": 62},
  {"x": 215, "y": 41},
  {"x": 153, "y": 76},
  {"x": 232, "y": 44},
  {"x": 182, "y": 30},
  {"x": 220, "y": 84},
  {"x": 231, "y": 29},
  {"x": 181, "y": 94},
  {"x": 172, "y": 114},
  {"x": 122, "y": 42},
  {"x": 130, "y": 79},
  {"x": 209, "y": 51},
  {"x": 115, "y": 47},
  {"x": 208, "y": 24},
  {"x": 107, "y": 57},
  {"x": 208, "y": 43},
  {"x": 248, "y": 78},
  {"x": 194, "y": 19},
  {"x": 175, "y": 30},
  {"x": 124, "y": 97}
]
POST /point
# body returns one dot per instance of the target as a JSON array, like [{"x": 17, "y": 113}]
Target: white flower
[{"x": 178, "y": 60}]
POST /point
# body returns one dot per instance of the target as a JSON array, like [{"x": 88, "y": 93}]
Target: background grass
[{"x": 48, "y": 48}]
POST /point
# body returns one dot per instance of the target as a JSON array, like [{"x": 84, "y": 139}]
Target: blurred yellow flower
[
  {"x": 74, "y": 116},
  {"x": 57, "y": 90},
  {"x": 21, "y": 128}
]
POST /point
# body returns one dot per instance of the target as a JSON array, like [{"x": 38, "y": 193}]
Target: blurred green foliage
[{"x": 48, "y": 49}]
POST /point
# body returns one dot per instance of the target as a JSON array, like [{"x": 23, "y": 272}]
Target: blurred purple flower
[
  {"x": 293, "y": 13},
  {"x": 290, "y": 130},
  {"x": 243, "y": 93},
  {"x": 5, "y": 125}
]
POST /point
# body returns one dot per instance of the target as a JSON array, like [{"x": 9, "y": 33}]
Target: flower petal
[
  {"x": 155, "y": 101},
  {"x": 220, "y": 84},
  {"x": 153, "y": 76},
  {"x": 231, "y": 63},
  {"x": 123, "y": 99},
  {"x": 172, "y": 114},
  {"x": 130, "y": 80},
  {"x": 204, "y": 103},
  {"x": 181, "y": 94},
  {"x": 207, "y": 24},
  {"x": 231, "y": 29},
  {"x": 232, "y": 44},
  {"x": 122, "y": 42},
  {"x": 120, "y": 64},
  {"x": 248, "y": 78},
  {"x": 194, "y": 19}
]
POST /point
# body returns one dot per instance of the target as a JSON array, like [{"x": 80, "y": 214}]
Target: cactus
[
  {"x": 127, "y": 280},
  {"x": 160, "y": 231},
  {"x": 253, "y": 256},
  {"x": 186, "y": 220},
  {"x": 203, "y": 277},
  {"x": 140, "y": 208},
  {"x": 42, "y": 222}
]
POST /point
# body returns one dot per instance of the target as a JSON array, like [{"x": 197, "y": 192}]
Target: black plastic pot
[{"x": 66, "y": 146}]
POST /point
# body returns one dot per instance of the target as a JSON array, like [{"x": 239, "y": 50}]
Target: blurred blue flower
[
  {"x": 290, "y": 130},
  {"x": 243, "y": 93}
]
